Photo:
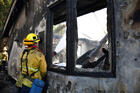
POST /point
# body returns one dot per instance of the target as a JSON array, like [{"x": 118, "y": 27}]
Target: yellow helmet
[{"x": 31, "y": 39}]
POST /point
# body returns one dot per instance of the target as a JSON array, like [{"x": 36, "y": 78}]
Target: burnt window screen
[{"x": 93, "y": 49}]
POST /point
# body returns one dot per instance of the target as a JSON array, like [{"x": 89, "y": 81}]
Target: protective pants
[
  {"x": 4, "y": 66},
  {"x": 24, "y": 89}
]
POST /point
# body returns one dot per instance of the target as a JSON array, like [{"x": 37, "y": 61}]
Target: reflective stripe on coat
[{"x": 36, "y": 62}]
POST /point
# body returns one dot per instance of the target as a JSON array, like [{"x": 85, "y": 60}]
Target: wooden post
[
  {"x": 112, "y": 33},
  {"x": 49, "y": 37},
  {"x": 71, "y": 35}
]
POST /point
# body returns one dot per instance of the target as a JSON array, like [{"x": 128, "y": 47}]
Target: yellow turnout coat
[{"x": 35, "y": 63}]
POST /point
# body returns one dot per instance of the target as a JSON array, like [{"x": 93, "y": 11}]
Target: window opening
[
  {"x": 92, "y": 54},
  {"x": 59, "y": 46},
  {"x": 93, "y": 39}
]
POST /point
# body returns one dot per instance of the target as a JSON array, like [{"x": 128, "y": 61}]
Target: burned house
[{"x": 39, "y": 16}]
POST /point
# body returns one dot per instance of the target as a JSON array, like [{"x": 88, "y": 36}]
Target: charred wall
[
  {"x": 28, "y": 20},
  {"x": 128, "y": 42},
  {"x": 31, "y": 19},
  {"x": 127, "y": 35}
]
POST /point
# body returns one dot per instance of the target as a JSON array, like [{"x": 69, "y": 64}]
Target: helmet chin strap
[{"x": 34, "y": 46}]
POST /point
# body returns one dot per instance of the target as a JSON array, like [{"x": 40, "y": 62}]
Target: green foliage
[{"x": 4, "y": 10}]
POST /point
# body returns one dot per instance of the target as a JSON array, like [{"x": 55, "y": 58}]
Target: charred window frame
[{"x": 72, "y": 39}]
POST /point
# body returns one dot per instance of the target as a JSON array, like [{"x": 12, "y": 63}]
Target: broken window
[
  {"x": 59, "y": 46},
  {"x": 89, "y": 34},
  {"x": 93, "y": 50}
]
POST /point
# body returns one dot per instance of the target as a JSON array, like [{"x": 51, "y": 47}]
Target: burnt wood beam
[
  {"x": 49, "y": 37},
  {"x": 111, "y": 33},
  {"x": 71, "y": 35},
  {"x": 83, "y": 7}
]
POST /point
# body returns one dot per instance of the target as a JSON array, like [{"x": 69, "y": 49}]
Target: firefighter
[
  {"x": 1, "y": 57},
  {"x": 32, "y": 63},
  {"x": 5, "y": 59}
]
